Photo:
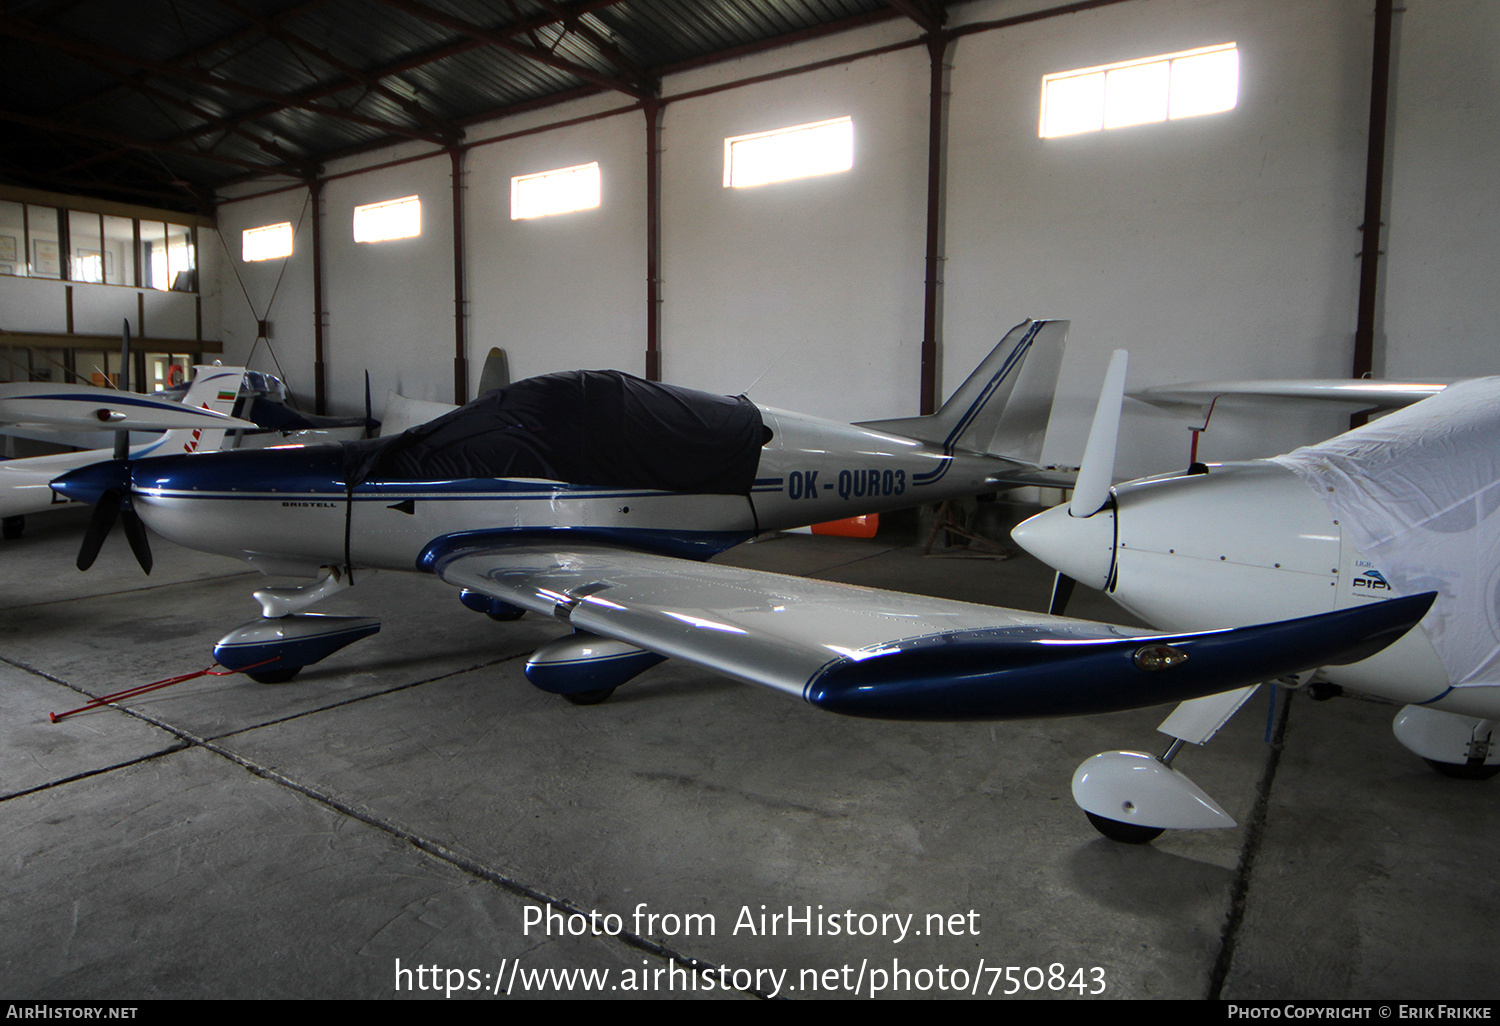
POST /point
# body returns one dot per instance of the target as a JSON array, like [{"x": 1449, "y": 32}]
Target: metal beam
[
  {"x": 153, "y": 93},
  {"x": 199, "y": 53},
  {"x": 124, "y": 141},
  {"x": 653, "y": 111},
  {"x": 21, "y": 30},
  {"x": 460, "y": 338},
  {"x": 498, "y": 38},
  {"x": 937, "y": 52},
  {"x": 603, "y": 47},
  {"x": 320, "y": 374},
  {"x": 1369, "y": 257},
  {"x": 930, "y": 16},
  {"x": 372, "y": 83}
]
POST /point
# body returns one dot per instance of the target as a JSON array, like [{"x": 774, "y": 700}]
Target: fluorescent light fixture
[
  {"x": 391, "y": 219},
  {"x": 554, "y": 192},
  {"x": 1162, "y": 88},
  {"x": 821, "y": 148},
  {"x": 268, "y": 242}
]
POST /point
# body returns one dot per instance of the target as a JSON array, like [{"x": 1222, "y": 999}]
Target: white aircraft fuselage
[
  {"x": 1244, "y": 543},
  {"x": 286, "y": 509}
]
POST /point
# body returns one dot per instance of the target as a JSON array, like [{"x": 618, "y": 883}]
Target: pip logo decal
[{"x": 1372, "y": 580}]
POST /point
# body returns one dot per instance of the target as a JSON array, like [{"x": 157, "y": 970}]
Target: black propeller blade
[
  {"x": 110, "y": 482},
  {"x": 105, "y": 512},
  {"x": 114, "y": 504},
  {"x": 1062, "y": 591},
  {"x": 135, "y": 533}
]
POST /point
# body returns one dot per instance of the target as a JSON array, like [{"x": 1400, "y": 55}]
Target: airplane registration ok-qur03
[{"x": 596, "y": 498}]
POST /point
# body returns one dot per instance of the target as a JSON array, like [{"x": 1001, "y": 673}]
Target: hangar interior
[{"x": 413, "y": 798}]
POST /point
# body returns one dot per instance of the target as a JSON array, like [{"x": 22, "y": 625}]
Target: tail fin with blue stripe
[{"x": 1002, "y": 407}]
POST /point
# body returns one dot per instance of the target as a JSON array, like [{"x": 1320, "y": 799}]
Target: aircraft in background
[
  {"x": 595, "y": 498},
  {"x": 197, "y": 423},
  {"x": 262, "y": 400},
  {"x": 1403, "y": 505}
]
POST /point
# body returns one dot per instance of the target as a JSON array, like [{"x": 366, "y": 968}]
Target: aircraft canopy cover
[
  {"x": 584, "y": 427},
  {"x": 1419, "y": 493}
]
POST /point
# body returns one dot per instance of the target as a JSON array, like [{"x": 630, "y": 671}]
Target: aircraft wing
[
  {"x": 73, "y": 407},
  {"x": 889, "y": 655},
  {"x": 1344, "y": 392}
]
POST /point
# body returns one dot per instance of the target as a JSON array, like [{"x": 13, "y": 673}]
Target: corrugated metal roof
[{"x": 163, "y": 100}]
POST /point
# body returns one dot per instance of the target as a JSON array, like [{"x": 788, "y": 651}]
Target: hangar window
[
  {"x": 390, "y": 219},
  {"x": 168, "y": 257},
  {"x": 554, "y": 192},
  {"x": 821, "y": 148},
  {"x": 1162, "y": 88},
  {"x": 268, "y": 242}
]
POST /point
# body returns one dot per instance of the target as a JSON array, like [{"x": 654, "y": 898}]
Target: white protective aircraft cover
[{"x": 1418, "y": 491}]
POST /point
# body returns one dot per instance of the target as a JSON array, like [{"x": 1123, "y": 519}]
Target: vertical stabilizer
[
  {"x": 1004, "y": 405},
  {"x": 213, "y": 388}
]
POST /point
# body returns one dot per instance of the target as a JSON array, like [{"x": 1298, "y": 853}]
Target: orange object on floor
[{"x": 850, "y": 527}]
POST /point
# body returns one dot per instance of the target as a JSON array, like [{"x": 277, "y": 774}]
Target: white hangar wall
[
  {"x": 556, "y": 293},
  {"x": 815, "y": 283},
  {"x": 1219, "y": 246},
  {"x": 1442, "y": 243},
  {"x": 1212, "y": 247},
  {"x": 565, "y": 292},
  {"x": 278, "y": 290}
]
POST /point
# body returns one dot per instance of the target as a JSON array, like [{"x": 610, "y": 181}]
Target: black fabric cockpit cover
[{"x": 583, "y": 427}]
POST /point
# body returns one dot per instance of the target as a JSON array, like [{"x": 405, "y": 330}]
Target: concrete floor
[{"x": 413, "y": 800}]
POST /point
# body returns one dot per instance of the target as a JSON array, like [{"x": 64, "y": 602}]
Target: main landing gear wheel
[
  {"x": 589, "y": 697},
  {"x": 1463, "y": 770},
  {"x": 13, "y": 527},
  {"x": 1125, "y": 833},
  {"x": 280, "y": 676}
]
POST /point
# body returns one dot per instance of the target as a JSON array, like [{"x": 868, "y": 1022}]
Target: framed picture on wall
[
  {"x": 8, "y": 251},
  {"x": 46, "y": 258}
]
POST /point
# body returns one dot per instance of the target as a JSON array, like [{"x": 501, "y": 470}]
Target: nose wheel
[
  {"x": 1125, "y": 833},
  {"x": 280, "y": 676},
  {"x": 1463, "y": 770}
]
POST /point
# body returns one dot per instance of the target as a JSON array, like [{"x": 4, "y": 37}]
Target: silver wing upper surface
[
  {"x": 88, "y": 407},
  {"x": 869, "y": 652},
  {"x": 1338, "y": 392}
]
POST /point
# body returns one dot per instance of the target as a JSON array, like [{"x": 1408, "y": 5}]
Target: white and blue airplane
[
  {"x": 196, "y": 423},
  {"x": 1404, "y": 505},
  {"x": 597, "y": 499}
]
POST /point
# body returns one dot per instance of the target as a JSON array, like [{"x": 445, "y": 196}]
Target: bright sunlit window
[
  {"x": 268, "y": 242},
  {"x": 554, "y": 192},
  {"x": 1171, "y": 86},
  {"x": 822, "y": 148},
  {"x": 392, "y": 219}
]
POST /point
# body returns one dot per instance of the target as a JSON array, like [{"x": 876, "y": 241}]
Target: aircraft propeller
[
  {"x": 1096, "y": 474},
  {"x": 110, "y": 482}
]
